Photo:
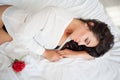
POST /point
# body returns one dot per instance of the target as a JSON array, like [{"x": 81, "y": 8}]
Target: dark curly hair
[{"x": 103, "y": 35}]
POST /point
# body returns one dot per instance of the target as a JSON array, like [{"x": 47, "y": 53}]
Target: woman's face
[{"x": 85, "y": 37}]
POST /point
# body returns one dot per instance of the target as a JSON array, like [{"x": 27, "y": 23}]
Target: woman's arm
[
  {"x": 52, "y": 55},
  {"x": 69, "y": 53}
]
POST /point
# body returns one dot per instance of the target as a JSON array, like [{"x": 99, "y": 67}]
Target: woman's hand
[
  {"x": 66, "y": 53},
  {"x": 52, "y": 55}
]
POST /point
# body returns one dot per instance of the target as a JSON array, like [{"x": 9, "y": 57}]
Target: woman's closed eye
[{"x": 87, "y": 41}]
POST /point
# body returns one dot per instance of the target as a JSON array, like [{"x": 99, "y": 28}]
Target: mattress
[{"x": 106, "y": 67}]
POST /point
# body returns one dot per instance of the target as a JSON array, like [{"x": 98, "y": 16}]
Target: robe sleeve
[
  {"x": 25, "y": 36},
  {"x": 34, "y": 24}
]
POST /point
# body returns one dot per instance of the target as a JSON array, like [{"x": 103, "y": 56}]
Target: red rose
[{"x": 18, "y": 65}]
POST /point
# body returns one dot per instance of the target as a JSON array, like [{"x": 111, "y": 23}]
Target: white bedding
[{"x": 37, "y": 68}]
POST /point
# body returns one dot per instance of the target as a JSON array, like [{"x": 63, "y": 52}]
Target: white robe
[{"x": 36, "y": 31}]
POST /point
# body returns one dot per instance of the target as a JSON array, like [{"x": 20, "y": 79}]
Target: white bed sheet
[{"x": 37, "y": 68}]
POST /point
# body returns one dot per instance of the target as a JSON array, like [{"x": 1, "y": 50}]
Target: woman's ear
[{"x": 91, "y": 23}]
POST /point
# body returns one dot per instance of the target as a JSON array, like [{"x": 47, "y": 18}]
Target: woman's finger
[{"x": 60, "y": 52}]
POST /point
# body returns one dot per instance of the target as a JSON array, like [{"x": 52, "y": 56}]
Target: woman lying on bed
[{"x": 54, "y": 33}]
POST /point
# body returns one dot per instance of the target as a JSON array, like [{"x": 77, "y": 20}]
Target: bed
[{"x": 106, "y": 67}]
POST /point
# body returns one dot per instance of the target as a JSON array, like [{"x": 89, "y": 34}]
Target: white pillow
[{"x": 80, "y": 8}]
